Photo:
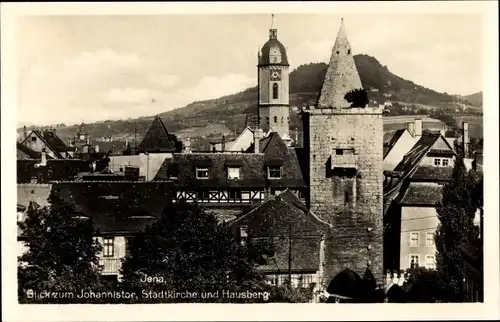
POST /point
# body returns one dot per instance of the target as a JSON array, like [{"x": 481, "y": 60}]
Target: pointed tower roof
[
  {"x": 341, "y": 75},
  {"x": 157, "y": 138}
]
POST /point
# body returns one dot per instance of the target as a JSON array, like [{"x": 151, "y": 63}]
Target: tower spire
[
  {"x": 273, "y": 32},
  {"x": 272, "y": 21},
  {"x": 341, "y": 76}
]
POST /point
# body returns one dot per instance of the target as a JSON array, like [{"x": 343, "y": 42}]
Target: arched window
[{"x": 275, "y": 91}]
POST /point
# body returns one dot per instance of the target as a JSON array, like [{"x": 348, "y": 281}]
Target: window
[
  {"x": 243, "y": 234},
  {"x": 429, "y": 239},
  {"x": 275, "y": 119},
  {"x": 108, "y": 249},
  {"x": 437, "y": 162},
  {"x": 33, "y": 138},
  {"x": 338, "y": 52},
  {"x": 348, "y": 51},
  {"x": 339, "y": 151},
  {"x": 414, "y": 239},
  {"x": 201, "y": 173},
  {"x": 430, "y": 262},
  {"x": 346, "y": 197},
  {"x": 445, "y": 162},
  {"x": 233, "y": 173},
  {"x": 275, "y": 91},
  {"x": 274, "y": 172},
  {"x": 267, "y": 119},
  {"x": 414, "y": 259}
]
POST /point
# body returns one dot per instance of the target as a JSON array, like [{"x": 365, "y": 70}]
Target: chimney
[
  {"x": 187, "y": 145},
  {"x": 465, "y": 138},
  {"x": 25, "y": 133},
  {"x": 418, "y": 127},
  {"x": 44, "y": 158},
  {"x": 443, "y": 131},
  {"x": 223, "y": 143},
  {"x": 96, "y": 149},
  {"x": 410, "y": 126},
  {"x": 257, "y": 135}
]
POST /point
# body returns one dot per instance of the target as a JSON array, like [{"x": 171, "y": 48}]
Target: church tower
[
  {"x": 344, "y": 142},
  {"x": 273, "y": 87}
]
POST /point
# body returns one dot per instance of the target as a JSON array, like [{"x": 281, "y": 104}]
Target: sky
[{"x": 88, "y": 68}]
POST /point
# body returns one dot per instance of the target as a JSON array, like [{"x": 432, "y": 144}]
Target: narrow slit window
[{"x": 275, "y": 91}]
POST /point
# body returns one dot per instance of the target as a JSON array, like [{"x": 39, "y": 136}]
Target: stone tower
[
  {"x": 273, "y": 87},
  {"x": 344, "y": 145}
]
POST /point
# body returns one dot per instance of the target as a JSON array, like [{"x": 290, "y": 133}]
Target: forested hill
[{"x": 227, "y": 114}]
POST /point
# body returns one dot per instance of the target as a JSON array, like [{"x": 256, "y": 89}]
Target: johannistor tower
[{"x": 273, "y": 87}]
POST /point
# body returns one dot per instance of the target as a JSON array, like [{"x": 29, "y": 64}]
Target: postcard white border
[{"x": 226, "y": 312}]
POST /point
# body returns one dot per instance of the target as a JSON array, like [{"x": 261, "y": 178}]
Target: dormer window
[
  {"x": 201, "y": 173},
  {"x": 274, "y": 172},
  {"x": 233, "y": 172}
]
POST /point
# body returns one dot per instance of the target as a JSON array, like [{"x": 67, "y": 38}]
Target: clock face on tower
[
  {"x": 82, "y": 137},
  {"x": 275, "y": 75}
]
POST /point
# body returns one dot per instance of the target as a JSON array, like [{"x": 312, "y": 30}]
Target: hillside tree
[
  {"x": 456, "y": 213},
  {"x": 61, "y": 253}
]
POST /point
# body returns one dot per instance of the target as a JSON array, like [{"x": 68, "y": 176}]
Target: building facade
[
  {"x": 273, "y": 87},
  {"x": 344, "y": 146}
]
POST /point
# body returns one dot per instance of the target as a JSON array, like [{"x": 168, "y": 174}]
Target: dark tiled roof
[
  {"x": 275, "y": 220},
  {"x": 56, "y": 170},
  {"x": 111, "y": 204},
  {"x": 253, "y": 168},
  {"x": 430, "y": 173},
  {"x": 393, "y": 141},
  {"x": 422, "y": 194},
  {"x": 415, "y": 155},
  {"x": 55, "y": 143},
  {"x": 157, "y": 138}
]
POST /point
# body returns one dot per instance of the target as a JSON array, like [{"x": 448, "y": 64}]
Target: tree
[
  {"x": 357, "y": 98},
  {"x": 187, "y": 250},
  {"x": 61, "y": 253},
  {"x": 423, "y": 286},
  {"x": 456, "y": 214}
]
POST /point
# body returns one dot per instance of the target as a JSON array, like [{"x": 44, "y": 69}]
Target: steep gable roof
[
  {"x": 276, "y": 219},
  {"x": 341, "y": 76},
  {"x": 419, "y": 150},
  {"x": 54, "y": 141},
  {"x": 422, "y": 194},
  {"x": 25, "y": 153},
  {"x": 157, "y": 138}
]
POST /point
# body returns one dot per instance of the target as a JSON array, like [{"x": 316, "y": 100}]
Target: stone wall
[{"x": 356, "y": 239}]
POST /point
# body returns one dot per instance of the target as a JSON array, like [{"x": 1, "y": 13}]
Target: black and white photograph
[{"x": 261, "y": 157}]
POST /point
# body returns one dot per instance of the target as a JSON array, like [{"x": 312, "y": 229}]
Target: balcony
[
  {"x": 111, "y": 265},
  {"x": 344, "y": 161}
]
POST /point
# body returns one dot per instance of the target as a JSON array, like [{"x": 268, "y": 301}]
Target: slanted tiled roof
[
  {"x": 422, "y": 194},
  {"x": 430, "y": 173},
  {"x": 393, "y": 141},
  {"x": 419, "y": 150},
  {"x": 157, "y": 138},
  {"x": 253, "y": 167},
  {"x": 275, "y": 220},
  {"x": 53, "y": 141},
  {"x": 111, "y": 204}
]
